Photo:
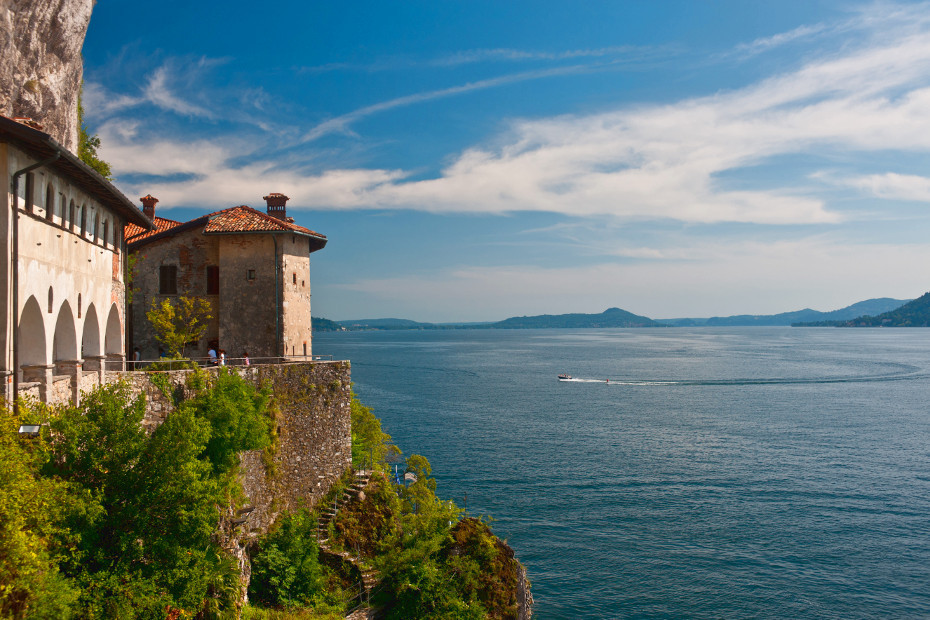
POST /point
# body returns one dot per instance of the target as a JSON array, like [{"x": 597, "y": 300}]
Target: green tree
[
  {"x": 144, "y": 543},
  {"x": 88, "y": 145},
  {"x": 31, "y": 508},
  {"x": 236, "y": 412},
  {"x": 177, "y": 324},
  {"x": 370, "y": 444},
  {"x": 286, "y": 571}
]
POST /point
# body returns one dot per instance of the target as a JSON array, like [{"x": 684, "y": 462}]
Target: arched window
[
  {"x": 106, "y": 232},
  {"x": 71, "y": 219},
  {"x": 49, "y": 200},
  {"x": 83, "y": 219},
  {"x": 96, "y": 227}
]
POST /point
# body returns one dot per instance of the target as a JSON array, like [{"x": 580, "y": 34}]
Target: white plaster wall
[{"x": 54, "y": 254}]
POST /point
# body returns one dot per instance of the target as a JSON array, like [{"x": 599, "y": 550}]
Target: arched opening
[
  {"x": 64, "y": 346},
  {"x": 96, "y": 233},
  {"x": 90, "y": 341},
  {"x": 49, "y": 200},
  {"x": 32, "y": 348},
  {"x": 106, "y": 232},
  {"x": 71, "y": 215},
  {"x": 113, "y": 342},
  {"x": 83, "y": 219}
]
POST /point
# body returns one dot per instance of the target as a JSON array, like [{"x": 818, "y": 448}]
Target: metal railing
[{"x": 208, "y": 362}]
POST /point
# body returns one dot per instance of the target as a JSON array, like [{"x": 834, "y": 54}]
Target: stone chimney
[
  {"x": 148, "y": 206},
  {"x": 277, "y": 205}
]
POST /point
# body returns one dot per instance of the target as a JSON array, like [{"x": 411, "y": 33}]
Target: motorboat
[{"x": 564, "y": 377}]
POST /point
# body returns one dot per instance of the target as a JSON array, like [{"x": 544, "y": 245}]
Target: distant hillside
[
  {"x": 915, "y": 313},
  {"x": 867, "y": 307},
  {"x": 612, "y": 317},
  {"x": 319, "y": 324},
  {"x": 361, "y": 324}
]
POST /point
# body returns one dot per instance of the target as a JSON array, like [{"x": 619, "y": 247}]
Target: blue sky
[{"x": 477, "y": 160}]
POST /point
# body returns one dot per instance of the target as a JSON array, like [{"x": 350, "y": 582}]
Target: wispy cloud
[
  {"x": 646, "y": 162},
  {"x": 767, "y": 43},
  {"x": 517, "y": 55},
  {"x": 341, "y": 124}
]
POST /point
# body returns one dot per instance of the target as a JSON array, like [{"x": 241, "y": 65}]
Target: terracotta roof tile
[
  {"x": 133, "y": 232},
  {"x": 247, "y": 219},
  {"x": 241, "y": 219}
]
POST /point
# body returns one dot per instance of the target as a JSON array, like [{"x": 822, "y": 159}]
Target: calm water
[{"x": 721, "y": 473}]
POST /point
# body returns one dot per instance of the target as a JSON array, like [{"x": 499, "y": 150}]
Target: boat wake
[{"x": 761, "y": 381}]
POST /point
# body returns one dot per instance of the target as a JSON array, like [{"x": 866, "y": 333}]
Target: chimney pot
[
  {"x": 148, "y": 205},
  {"x": 277, "y": 205}
]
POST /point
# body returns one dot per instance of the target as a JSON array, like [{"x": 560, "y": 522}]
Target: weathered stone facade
[
  {"x": 40, "y": 61},
  {"x": 253, "y": 268}
]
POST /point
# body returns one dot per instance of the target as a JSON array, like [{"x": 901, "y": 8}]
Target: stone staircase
[{"x": 370, "y": 576}]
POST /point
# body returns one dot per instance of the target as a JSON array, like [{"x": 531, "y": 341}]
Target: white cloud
[
  {"x": 892, "y": 186},
  {"x": 639, "y": 162}
]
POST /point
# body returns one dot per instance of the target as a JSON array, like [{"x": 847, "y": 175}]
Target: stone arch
[
  {"x": 64, "y": 346},
  {"x": 113, "y": 341},
  {"x": 90, "y": 340},
  {"x": 33, "y": 350}
]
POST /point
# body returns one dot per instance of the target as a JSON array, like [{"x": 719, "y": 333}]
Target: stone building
[
  {"x": 63, "y": 266},
  {"x": 253, "y": 268}
]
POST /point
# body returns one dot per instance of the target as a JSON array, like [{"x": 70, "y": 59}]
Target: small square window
[{"x": 250, "y": 274}]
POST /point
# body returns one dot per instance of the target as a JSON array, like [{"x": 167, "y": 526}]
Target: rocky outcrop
[{"x": 40, "y": 63}]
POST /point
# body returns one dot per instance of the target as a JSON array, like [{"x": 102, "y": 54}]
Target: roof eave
[{"x": 42, "y": 145}]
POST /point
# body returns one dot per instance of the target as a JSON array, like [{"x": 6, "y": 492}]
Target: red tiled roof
[
  {"x": 247, "y": 219},
  {"x": 242, "y": 219},
  {"x": 133, "y": 232}
]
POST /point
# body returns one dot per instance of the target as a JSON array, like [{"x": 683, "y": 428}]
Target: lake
[{"x": 688, "y": 472}]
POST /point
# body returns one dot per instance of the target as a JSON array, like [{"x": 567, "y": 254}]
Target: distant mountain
[
  {"x": 612, "y": 317},
  {"x": 867, "y": 307},
  {"x": 914, "y": 313}
]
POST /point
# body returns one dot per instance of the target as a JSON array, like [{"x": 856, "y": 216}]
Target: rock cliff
[{"x": 40, "y": 62}]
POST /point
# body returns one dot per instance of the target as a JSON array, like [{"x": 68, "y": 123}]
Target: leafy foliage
[
  {"x": 88, "y": 145},
  {"x": 177, "y": 324},
  {"x": 235, "y": 411},
  {"x": 107, "y": 521},
  {"x": 370, "y": 444},
  {"x": 31, "y": 508},
  {"x": 286, "y": 571}
]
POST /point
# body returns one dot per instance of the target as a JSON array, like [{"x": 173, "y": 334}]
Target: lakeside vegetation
[{"x": 101, "y": 519}]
